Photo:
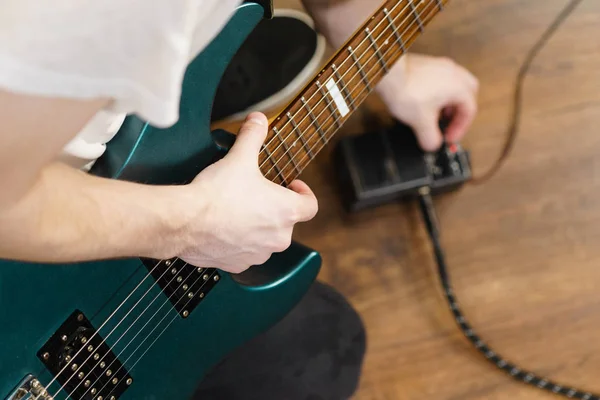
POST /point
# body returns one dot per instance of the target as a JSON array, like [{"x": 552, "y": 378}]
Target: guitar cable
[
  {"x": 518, "y": 373},
  {"x": 433, "y": 229},
  {"x": 517, "y": 104}
]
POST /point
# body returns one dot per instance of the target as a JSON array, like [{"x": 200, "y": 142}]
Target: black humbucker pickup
[
  {"x": 184, "y": 284},
  {"x": 83, "y": 363}
]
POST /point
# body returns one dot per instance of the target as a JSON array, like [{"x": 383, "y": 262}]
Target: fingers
[
  {"x": 465, "y": 110},
  {"x": 307, "y": 205},
  {"x": 250, "y": 138},
  {"x": 460, "y": 109},
  {"x": 428, "y": 132},
  {"x": 464, "y": 107}
]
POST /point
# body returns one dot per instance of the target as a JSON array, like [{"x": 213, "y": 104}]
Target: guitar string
[
  {"x": 186, "y": 263},
  {"x": 155, "y": 339},
  {"x": 329, "y": 130},
  {"x": 170, "y": 310},
  {"x": 110, "y": 333},
  {"x": 98, "y": 362},
  {"x": 112, "y": 347},
  {"x": 172, "y": 321},
  {"x": 73, "y": 358},
  {"x": 109, "y": 318},
  {"x": 159, "y": 262},
  {"x": 169, "y": 324},
  {"x": 190, "y": 300},
  {"x": 356, "y": 48},
  {"x": 344, "y": 86},
  {"x": 355, "y": 62},
  {"x": 328, "y": 102},
  {"x": 571, "y": 393},
  {"x": 149, "y": 274},
  {"x": 142, "y": 328},
  {"x": 288, "y": 153}
]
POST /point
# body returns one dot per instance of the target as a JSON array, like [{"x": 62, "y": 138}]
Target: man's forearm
[{"x": 68, "y": 215}]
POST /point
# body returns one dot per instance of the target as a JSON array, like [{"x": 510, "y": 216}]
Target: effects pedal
[{"x": 387, "y": 165}]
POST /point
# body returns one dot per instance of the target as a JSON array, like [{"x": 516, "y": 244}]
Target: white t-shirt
[{"x": 133, "y": 51}]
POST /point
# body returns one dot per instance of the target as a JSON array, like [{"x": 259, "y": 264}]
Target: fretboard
[{"x": 310, "y": 120}]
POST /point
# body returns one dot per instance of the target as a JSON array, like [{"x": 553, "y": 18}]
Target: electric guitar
[{"x": 136, "y": 328}]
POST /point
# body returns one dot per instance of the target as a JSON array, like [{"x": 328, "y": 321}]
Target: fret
[
  {"x": 338, "y": 89},
  {"x": 314, "y": 120},
  {"x": 395, "y": 29},
  {"x": 329, "y": 104},
  {"x": 300, "y": 136},
  {"x": 360, "y": 68},
  {"x": 376, "y": 47},
  {"x": 270, "y": 158},
  {"x": 287, "y": 149},
  {"x": 416, "y": 14},
  {"x": 340, "y": 80}
]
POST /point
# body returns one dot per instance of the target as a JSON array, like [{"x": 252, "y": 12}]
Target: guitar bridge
[
  {"x": 83, "y": 363},
  {"x": 29, "y": 388}
]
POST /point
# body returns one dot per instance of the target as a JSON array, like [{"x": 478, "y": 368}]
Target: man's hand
[
  {"x": 246, "y": 217},
  {"x": 420, "y": 89}
]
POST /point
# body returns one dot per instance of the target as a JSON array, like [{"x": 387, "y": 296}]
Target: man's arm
[{"x": 50, "y": 212}]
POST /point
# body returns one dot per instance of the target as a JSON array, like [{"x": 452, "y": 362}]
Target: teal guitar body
[{"x": 138, "y": 329}]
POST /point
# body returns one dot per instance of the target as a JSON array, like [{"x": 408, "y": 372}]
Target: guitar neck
[{"x": 309, "y": 122}]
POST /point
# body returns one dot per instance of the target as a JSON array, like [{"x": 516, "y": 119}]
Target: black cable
[
  {"x": 520, "y": 374},
  {"x": 433, "y": 229},
  {"x": 513, "y": 127}
]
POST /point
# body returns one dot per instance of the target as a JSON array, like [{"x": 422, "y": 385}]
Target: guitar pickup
[
  {"x": 183, "y": 284},
  {"x": 83, "y": 363}
]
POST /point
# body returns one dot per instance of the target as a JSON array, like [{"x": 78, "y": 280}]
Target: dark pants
[{"x": 314, "y": 353}]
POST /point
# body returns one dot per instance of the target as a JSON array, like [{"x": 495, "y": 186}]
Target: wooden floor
[{"x": 523, "y": 249}]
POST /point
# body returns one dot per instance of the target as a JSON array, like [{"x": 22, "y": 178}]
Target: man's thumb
[{"x": 251, "y": 136}]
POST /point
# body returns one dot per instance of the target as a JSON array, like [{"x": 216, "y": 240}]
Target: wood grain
[{"x": 523, "y": 248}]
